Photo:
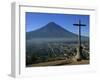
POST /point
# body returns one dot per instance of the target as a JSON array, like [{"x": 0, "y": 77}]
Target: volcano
[{"x": 51, "y": 30}]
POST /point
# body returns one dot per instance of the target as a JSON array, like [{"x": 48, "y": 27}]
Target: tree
[{"x": 34, "y": 58}]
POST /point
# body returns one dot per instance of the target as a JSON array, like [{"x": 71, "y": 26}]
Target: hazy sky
[{"x": 38, "y": 20}]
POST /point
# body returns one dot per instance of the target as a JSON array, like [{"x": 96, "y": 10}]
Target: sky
[{"x": 35, "y": 21}]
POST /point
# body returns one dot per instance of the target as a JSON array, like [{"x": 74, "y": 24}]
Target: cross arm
[
  {"x": 79, "y": 24},
  {"x": 76, "y": 24}
]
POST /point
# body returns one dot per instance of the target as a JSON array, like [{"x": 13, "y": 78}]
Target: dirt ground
[{"x": 60, "y": 63}]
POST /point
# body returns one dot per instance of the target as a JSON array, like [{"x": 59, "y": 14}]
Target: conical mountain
[{"x": 51, "y": 30}]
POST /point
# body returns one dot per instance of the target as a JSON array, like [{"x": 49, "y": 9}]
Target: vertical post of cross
[{"x": 79, "y": 39}]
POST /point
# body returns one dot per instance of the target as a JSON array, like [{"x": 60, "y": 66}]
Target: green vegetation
[{"x": 53, "y": 51}]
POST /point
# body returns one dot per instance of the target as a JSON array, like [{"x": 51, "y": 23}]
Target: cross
[{"x": 79, "y": 38}]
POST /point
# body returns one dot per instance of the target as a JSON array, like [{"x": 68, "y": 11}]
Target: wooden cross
[{"x": 79, "y": 38}]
